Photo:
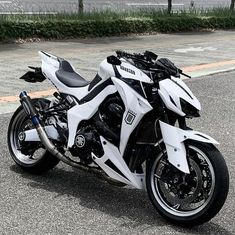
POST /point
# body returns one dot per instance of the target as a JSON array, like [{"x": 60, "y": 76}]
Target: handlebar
[
  {"x": 123, "y": 54},
  {"x": 147, "y": 56},
  {"x": 184, "y": 74},
  {"x": 148, "y": 62}
]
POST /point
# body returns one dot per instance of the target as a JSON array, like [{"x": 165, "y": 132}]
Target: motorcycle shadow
[{"x": 129, "y": 205}]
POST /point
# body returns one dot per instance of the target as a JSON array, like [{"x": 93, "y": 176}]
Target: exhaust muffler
[{"x": 33, "y": 115}]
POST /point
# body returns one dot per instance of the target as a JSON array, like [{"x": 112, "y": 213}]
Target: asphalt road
[
  {"x": 184, "y": 49},
  {"x": 67, "y": 201}
]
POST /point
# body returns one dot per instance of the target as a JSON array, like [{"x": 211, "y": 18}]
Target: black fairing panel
[
  {"x": 94, "y": 82},
  {"x": 93, "y": 93},
  {"x": 134, "y": 84},
  {"x": 148, "y": 131}
]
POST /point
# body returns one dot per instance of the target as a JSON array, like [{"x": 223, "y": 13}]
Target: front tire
[
  {"x": 31, "y": 157},
  {"x": 189, "y": 199}
]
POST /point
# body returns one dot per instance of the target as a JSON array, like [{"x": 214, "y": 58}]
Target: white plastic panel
[
  {"x": 86, "y": 111},
  {"x": 135, "y": 108},
  {"x": 112, "y": 153},
  {"x": 129, "y": 71},
  {"x": 106, "y": 70},
  {"x": 174, "y": 140},
  {"x": 50, "y": 66},
  {"x": 175, "y": 89}
]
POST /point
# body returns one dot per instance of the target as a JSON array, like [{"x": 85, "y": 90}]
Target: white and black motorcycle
[{"x": 127, "y": 125}]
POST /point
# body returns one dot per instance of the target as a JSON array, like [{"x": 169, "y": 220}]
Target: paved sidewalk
[{"x": 198, "y": 53}]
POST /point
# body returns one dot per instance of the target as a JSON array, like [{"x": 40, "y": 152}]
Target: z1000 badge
[
  {"x": 130, "y": 117},
  {"x": 127, "y": 70}
]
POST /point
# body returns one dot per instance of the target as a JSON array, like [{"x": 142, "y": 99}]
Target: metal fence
[{"x": 89, "y": 5}]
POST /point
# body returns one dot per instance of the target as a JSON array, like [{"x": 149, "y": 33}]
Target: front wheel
[{"x": 189, "y": 199}]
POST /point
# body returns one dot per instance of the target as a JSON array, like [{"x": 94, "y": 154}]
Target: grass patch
[{"x": 108, "y": 23}]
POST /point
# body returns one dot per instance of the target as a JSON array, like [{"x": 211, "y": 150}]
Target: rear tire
[
  {"x": 37, "y": 161},
  {"x": 189, "y": 199}
]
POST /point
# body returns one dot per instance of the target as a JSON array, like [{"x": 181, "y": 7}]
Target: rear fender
[
  {"x": 174, "y": 138},
  {"x": 33, "y": 76}
]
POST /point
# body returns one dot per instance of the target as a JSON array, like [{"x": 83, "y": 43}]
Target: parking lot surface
[{"x": 68, "y": 201}]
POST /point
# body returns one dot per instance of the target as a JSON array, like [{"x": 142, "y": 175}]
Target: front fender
[{"x": 174, "y": 138}]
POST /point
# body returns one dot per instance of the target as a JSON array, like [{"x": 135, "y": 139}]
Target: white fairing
[
  {"x": 112, "y": 154},
  {"x": 106, "y": 70},
  {"x": 49, "y": 67},
  {"x": 172, "y": 90},
  {"x": 174, "y": 140},
  {"x": 127, "y": 70},
  {"x": 85, "y": 112},
  {"x": 136, "y": 106}
]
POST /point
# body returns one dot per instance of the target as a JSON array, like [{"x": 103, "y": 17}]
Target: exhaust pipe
[{"x": 33, "y": 115}]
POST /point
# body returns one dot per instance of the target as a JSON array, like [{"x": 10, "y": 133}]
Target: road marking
[
  {"x": 29, "y": 13},
  {"x": 5, "y": 2},
  {"x": 196, "y": 49},
  {"x": 208, "y": 66},
  {"x": 218, "y": 66},
  {"x": 35, "y": 94},
  {"x": 153, "y": 4}
]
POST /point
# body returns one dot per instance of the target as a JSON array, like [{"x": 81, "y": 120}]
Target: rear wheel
[
  {"x": 189, "y": 199},
  {"x": 30, "y": 156}
]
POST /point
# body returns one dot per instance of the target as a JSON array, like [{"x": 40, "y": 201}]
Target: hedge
[{"x": 61, "y": 29}]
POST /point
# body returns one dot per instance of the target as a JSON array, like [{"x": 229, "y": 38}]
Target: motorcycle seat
[{"x": 68, "y": 76}]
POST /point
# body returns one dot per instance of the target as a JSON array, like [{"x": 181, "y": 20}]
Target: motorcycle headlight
[{"x": 188, "y": 109}]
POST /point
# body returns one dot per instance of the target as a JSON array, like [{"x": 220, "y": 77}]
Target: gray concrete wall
[{"x": 72, "y": 5}]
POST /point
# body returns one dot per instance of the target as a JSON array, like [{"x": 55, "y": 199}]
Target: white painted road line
[
  {"x": 195, "y": 49},
  {"x": 5, "y": 2},
  {"x": 30, "y": 13},
  {"x": 152, "y": 4}
]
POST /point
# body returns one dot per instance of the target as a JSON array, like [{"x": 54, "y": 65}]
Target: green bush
[{"x": 54, "y": 28}]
